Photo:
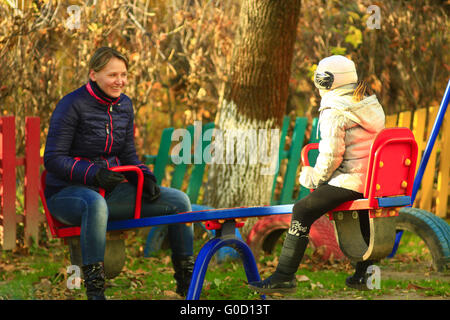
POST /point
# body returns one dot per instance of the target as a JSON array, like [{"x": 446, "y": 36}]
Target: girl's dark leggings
[
  {"x": 304, "y": 213},
  {"x": 323, "y": 199}
]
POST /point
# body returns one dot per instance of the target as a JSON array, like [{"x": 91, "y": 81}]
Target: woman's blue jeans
[{"x": 81, "y": 206}]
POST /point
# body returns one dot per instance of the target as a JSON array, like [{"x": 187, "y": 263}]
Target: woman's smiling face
[{"x": 112, "y": 78}]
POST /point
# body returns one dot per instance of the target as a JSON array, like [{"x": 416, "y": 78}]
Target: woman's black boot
[
  {"x": 94, "y": 281},
  {"x": 184, "y": 267}
]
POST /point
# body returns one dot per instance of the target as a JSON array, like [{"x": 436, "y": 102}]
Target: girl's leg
[
  {"x": 305, "y": 213},
  {"x": 359, "y": 279}
]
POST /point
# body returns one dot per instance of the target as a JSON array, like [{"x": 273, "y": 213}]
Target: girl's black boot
[{"x": 359, "y": 279}]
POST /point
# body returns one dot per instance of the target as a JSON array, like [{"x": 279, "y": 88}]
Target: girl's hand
[{"x": 306, "y": 178}]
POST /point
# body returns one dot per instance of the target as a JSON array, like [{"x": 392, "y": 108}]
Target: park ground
[{"x": 40, "y": 273}]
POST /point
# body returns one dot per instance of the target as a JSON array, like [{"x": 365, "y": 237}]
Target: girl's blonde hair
[{"x": 360, "y": 91}]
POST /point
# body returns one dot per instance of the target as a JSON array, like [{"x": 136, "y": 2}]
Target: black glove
[
  {"x": 150, "y": 189},
  {"x": 108, "y": 179}
]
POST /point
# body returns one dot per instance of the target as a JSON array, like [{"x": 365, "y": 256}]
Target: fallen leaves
[
  {"x": 316, "y": 285},
  {"x": 171, "y": 294},
  {"x": 412, "y": 286},
  {"x": 302, "y": 278},
  {"x": 6, "y": 267},
  {"x": 313, "y": 285}
]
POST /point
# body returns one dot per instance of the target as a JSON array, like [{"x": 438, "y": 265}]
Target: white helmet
[{"x": 333, "y": 72}]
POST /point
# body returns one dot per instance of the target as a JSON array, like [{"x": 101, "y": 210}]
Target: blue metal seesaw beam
[{"x": 204, "y": 215}]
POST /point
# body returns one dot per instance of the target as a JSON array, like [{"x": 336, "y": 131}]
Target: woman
[
  {"x": 349, "y": 122},
  {"x": 92, "y": 130}
]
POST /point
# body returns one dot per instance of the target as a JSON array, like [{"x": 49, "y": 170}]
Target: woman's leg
[
  {"x": 171, "y": 201},
  {"x": 81, "y": 206},
  {"x": 181, "y": 237}
]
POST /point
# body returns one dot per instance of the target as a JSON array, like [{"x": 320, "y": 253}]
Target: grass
[{"x": 40, "y": 273}]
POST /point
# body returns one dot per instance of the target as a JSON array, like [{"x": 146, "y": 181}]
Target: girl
[
  {"x": 348, "y": 122},
  {"x": 92, "y": 130}
]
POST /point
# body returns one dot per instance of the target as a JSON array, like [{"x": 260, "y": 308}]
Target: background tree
[{"x": 254, "y": 97}]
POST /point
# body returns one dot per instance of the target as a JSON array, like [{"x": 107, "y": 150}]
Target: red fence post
[
  {"x": 8, "y": 164},
  {"x": 31, "y": 189}
]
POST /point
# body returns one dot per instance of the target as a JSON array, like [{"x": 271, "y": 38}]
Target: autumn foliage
[{"x": 180, "y": 50}]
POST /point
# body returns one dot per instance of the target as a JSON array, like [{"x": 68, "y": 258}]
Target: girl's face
[{"x": 112, "y": 79}]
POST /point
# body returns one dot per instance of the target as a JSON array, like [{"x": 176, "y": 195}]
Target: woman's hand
[
  {"x": 107, "y": 179},
  {"x": 151, "y": 190}
]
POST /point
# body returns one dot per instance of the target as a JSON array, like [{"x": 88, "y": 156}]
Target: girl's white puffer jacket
[{"x": 347, "y": 130}]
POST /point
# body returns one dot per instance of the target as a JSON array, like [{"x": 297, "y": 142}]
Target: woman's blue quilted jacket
[{"x": 85, "y": 134}]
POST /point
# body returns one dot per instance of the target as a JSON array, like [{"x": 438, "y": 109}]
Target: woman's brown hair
[{"x": 102, "y": 56}]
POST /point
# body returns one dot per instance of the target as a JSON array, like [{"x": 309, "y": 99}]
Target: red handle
[
  {"x": 305, "y": 151},
  {"x": 140, "y": 184}
]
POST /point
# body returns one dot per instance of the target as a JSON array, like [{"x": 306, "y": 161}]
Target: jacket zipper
[
  {"x": 111, "y": 125},
  {"x": 109, "y": 131},
  {"x": 107, "y": 136}
]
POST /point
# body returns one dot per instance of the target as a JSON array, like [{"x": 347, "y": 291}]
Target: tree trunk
[{"x": 254, "y": 99}]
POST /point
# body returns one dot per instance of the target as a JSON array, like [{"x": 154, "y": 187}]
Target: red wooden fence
[{"x": 31, "y": 217}]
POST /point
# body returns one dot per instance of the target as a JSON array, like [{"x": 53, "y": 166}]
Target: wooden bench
[
  {"x": 194, "y": 173},
  {"x": 163, "y": 160}
]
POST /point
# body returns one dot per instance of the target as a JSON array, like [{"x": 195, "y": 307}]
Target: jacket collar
[{"x": 94, "y": 91}]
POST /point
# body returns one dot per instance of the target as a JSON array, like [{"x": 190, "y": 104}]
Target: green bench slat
[
  {"x": 197, "y": 167},
  {"x": 163, "y": 154},
  {"x": 180, "y": 169},
  {"x": 290, "y": 177},
  {"x": 196, "y": 180}
]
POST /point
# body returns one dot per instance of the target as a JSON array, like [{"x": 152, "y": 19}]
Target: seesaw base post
[{"x": 208, "y": 251}]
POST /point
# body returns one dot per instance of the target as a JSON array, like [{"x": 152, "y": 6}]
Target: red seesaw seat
[{"x": 388, "y": 186}]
